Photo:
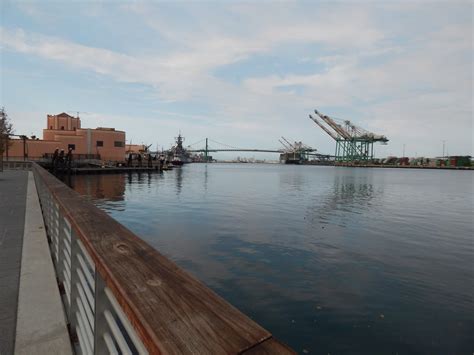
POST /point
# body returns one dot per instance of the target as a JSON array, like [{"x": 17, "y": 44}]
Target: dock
[
  {"x": 85, "y": 283},
  {"x": 113, "y": 170},
  {"x": 79, "y": 168},
  {"x": 350, "y": 165}
]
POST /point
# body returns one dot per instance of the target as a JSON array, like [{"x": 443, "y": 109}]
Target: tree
[{"x": 6, "y": 128}]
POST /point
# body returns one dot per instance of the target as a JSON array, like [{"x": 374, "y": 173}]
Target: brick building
[{"x": 64, "y": 131}]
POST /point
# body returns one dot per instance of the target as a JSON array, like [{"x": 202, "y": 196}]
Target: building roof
[{"x": 64, "y": 114}]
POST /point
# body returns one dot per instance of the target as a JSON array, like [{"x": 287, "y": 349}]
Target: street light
[{"x": 25, "y": 154}]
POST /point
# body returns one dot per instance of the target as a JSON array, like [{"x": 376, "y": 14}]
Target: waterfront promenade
[
  {"x": 31, "y": 314},
  {"x": 13, "y": 186}
]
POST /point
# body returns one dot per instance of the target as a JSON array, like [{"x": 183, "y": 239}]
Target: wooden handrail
[{"x": 171, "y": 311}]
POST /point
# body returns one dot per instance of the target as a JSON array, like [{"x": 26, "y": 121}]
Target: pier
[
  {"x": 75, "y": 279},
  {"x": 112, "y": 170}
]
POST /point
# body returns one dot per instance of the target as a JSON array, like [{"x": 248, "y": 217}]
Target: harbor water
[{"x": 329, "y": 260}]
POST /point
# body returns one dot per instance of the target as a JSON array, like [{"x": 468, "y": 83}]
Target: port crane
[
  {"x": 297, "y": 152},
  {"x": 353, "y": 143},
  {"x": 296, "y": 147},
  {"x": 285, "y": 145}
]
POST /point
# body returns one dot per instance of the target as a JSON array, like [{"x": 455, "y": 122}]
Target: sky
[{"x": 244, "y": 73}]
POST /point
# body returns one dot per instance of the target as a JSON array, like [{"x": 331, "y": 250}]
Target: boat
[
  {"x": 176, "y": 161},
  {"x": 178, "y": 155},
  {"x": 292, "y": 158}
]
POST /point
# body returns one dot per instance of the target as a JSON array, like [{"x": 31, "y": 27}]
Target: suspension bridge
[{"x": 216, "y": 146}]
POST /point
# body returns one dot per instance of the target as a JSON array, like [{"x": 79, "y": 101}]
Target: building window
[
  {"x": 71, "y": 146},
  {"x": 100, "y": 143},
  {"x": 119, "y": 144},
  {"x": 62, "y": 128}
]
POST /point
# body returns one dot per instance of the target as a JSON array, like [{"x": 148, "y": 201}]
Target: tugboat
[
  {"x": 176, "y": 161},
  {"x": 178, "y": 154}
]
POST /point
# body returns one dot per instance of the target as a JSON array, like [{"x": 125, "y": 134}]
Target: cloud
[
  {"x": 421, "y": 92},
  {"x": 202, "y": 48},
  {"x": 382, "y": 74}
]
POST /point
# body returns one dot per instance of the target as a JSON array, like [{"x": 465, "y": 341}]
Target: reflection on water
[
  {"x": 348, "y": 198},
  {"x": 100, "y": 187},
  {"x": 329, "y": 260},
  {"x": 179, "y": 180}
]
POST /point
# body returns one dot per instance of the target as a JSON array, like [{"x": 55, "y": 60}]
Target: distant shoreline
[
  {"x": 357, "y": 166},
  {"x": 407, "y": 167}
]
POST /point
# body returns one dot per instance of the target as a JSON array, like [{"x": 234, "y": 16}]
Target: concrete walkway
[
  {"x": 32, "y": 319},
  {"x": 13, "y": 185},
  {"x": 41, "y": 323}
]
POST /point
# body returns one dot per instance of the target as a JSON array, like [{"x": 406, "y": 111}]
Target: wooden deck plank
[{"x": 172, "y": 311}]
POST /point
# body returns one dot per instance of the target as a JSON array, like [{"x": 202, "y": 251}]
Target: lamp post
[
  {"x": 3, "y": 145},
  {"x": 24, "y": 147},
  {"x": 6, "y": 147}
]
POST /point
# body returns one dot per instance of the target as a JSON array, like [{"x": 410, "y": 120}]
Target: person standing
[
  {"x": 61, "y": 158},
  {"x": 69, "y": 158},
  {"x": 139, "y": 158},
  {"x": 55, "y": 157}
]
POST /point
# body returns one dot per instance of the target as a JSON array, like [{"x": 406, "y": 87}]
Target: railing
[
  {"x": 123, "y": 297},
  {"x": 75, "y": 156},
  {"x": 16, "y": 165}
]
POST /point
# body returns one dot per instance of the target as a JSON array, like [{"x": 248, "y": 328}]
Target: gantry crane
[
  {"x": 352, "y": 142},
  {"x": 287, "y": 147},
  {"x": 297, "y": 152}
]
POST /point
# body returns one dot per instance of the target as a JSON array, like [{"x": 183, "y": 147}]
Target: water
[{"x": 329, "y": 260}]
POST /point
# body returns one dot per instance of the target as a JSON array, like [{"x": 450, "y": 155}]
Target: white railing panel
[
  {"x": 87, "y": 273},
  {"x": 125, "y": 322},
  {"x": 117, "y": 334},
  {"x": 89, "y": 312},
  {"x": 110, "y": 344},
  {"x": 85, "y": 288}
]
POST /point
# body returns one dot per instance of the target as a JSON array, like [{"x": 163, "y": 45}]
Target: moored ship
[{"x": 178, "y": 155}]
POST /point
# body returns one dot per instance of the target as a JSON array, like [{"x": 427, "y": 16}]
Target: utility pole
[
  {"x": 3, "y": 140},
  {"x": 443, "y": 147},
  {"x": 24, "y": 147}
]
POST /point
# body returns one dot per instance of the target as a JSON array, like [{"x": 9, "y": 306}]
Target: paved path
[
  {"x": 13, "y": 186},
  {"x": 41, "y": 323}
]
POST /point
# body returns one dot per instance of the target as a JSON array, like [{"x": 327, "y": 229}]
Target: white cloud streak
[{"x": 400, "y": 83}]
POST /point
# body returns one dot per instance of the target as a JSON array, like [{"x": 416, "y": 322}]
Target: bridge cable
[
  {"x": 202, "y": 140},
  {"x": 225, "y": 145}
]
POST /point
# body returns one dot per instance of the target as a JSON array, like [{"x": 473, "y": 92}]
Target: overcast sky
[{"x": 244, "y": 74}]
